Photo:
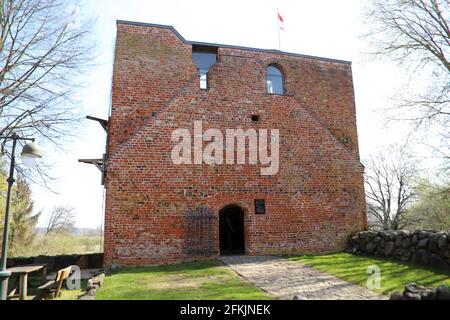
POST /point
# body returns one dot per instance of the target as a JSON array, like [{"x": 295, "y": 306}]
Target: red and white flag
[{"x": 280, "y": 21}]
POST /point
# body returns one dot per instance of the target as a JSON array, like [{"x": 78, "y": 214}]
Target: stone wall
[
  {"x": 414, "y": 292},
  {"x": 426, "y": 248},
  {"x": 54, "y": 263}
]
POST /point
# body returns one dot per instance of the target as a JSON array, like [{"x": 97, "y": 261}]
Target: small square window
[
  {"x": 255, "y": 118},
  {"x": 260, "y": 206}
]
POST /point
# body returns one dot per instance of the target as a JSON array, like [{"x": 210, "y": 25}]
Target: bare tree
[
  {"x": 416, "y": 33},
  {"x": 62, "y": 219},
  {"x": 43, "y": 50},
  {"x": 388, "y": 191},
  {"x": 432, "y": 210}
]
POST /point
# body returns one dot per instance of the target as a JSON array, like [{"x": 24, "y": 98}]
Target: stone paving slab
[{"x": 285, "y": 279}]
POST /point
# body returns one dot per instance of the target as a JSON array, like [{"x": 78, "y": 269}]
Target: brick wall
[{"x": 314, "y": 202}]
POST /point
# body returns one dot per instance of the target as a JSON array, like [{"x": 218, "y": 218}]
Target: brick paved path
[{"x": 285, "y": 279}]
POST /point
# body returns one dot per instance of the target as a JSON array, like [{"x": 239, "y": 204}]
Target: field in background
[{"x": 54, "y": 244}]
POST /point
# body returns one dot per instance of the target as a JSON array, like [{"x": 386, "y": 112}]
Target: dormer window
[
  {"x": 275, "y": 80},
  {"x": 204, "y": 57}
]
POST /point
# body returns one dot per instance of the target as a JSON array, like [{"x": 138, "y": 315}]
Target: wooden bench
[{"x": 52, "y": 288}]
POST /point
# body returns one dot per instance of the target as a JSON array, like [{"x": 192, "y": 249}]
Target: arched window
[{"x": 274, "y": 80}]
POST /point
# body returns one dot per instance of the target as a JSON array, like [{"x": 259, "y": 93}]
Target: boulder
[
  {"x": 362, "y": 235},
  {"x": 370, "y": 236},
  {"x": 379, "y": 251},
  {"x": 353, "y": 250},
  {"x": 370, "y": 248},
  {"x": 389, "y": 248},
  {"x": 433, "y": 245},
  {"x": 98, "y": 280},
  {"x": 91, "y": 292},
  {"x": 421, "y": 257},
  {"x": 443, "y": 242},
  {"x": 405, "y": 233},
  {"x": 398, "y": 252},
  {"x": 428, "y": 294},
  {"x": 413, "y": 288},
  {"x": 389, "y": 235},
  {"x": 411, "y": 296},
  {"x": 92, "y": 286},
  {"x": 396, "y": 295},
  {"x": 423, "y": 243},
  {"x": 406, "y": 243},
  {"x": 437, "y": 262},
  {"x": 423, "y": 234},
  {"x": 442, "y": 293},
  {"x": 405, "y": 256},
  {"x": 398, "y": 240},
  {"x": 435, "y": 238}
]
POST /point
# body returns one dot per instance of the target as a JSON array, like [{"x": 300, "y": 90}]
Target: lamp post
[{"x": 31, "y": 153}]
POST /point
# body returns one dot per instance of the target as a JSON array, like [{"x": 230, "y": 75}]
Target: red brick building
[{"x": 160, "y": 212}]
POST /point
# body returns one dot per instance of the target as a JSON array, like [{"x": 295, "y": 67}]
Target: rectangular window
[
  {"x": 204, "y": 57},
  {"x": 260, "y": 206},
  {"x": 203, "y": 79}
]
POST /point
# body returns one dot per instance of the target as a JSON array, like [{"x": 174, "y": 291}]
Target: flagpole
[{"x": 279, "y": 37}]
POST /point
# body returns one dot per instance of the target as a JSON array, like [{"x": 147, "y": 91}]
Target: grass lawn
[
  {"x": 73, "y": 294},
  {"x": 394, "y": 275},
  {"x": 203, "y": 280}
]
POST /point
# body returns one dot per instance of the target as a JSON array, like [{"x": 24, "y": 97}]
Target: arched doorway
[{"x": 231, "y": 230}]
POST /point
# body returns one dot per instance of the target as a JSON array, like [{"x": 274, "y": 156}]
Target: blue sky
[{"x": 325, "y": 28}]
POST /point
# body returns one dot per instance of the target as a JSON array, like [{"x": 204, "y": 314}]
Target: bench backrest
[{"x": 61, "y": 275}]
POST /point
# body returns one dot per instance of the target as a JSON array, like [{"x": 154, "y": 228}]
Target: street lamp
[{"x": 31, "y": 153}]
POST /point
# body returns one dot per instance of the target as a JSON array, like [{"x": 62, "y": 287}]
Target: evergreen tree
[{"x": 22, "y": 221}]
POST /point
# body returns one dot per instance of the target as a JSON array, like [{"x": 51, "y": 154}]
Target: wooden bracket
[
  {"x": 100, "y": 164},
  {"x": 103, "y": 123}
]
